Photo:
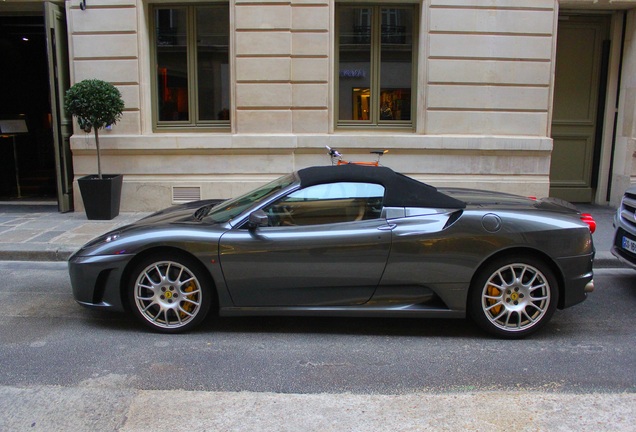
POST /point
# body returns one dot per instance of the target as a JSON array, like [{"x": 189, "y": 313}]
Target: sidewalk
[
  {"x": 41, "y": 233},
  {"x": 119, "y": 408}
]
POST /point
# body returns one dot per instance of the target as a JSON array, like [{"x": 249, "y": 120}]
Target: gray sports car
[{"x": 346, "y": 240}]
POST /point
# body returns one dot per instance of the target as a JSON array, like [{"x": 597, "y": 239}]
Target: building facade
[{"x": 534, "y": 97}]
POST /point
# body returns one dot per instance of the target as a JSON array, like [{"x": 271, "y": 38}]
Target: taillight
[{"x": 589, "y": 220}]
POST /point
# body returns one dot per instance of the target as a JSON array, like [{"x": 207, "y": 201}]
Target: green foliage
[{"x": 95, "y": 103}]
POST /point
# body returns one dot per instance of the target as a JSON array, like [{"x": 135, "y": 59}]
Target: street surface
[{"x": 69, "y": 368}]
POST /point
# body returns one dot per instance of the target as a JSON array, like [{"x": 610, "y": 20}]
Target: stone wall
[
  {"x": 624, "y": 169},
  {"x": 483, "y": 99}
]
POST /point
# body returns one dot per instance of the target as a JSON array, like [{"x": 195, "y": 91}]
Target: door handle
[{"x": 387, "y": 227}]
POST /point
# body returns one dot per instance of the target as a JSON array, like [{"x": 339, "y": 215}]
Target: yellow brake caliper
[
  {"x": 493, "y": 291},
  {"x": 187, "y": 306}
]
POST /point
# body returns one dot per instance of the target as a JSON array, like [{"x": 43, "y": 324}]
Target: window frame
[
  {"x": 375, "y": 66},
  {"x": 342, "y": 192},
  {"x": 193, "y": 123}
]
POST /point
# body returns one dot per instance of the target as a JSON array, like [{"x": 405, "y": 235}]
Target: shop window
[
  {"x": 191, "y": 53},
  {"x": 376, "y": 56}
]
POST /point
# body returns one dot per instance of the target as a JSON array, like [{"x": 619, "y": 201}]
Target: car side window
[{"x": 327, "y": 203}]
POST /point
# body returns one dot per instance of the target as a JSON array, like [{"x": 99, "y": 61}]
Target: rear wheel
[
  {"x": 514, "y": 296},
  {"x": 169, "y": 293}
]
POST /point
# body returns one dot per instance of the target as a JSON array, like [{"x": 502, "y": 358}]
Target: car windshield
[{"x": 228, "y": 210}]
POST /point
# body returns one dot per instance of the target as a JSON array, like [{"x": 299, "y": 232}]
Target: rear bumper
[{"x": 578, "y": 279}]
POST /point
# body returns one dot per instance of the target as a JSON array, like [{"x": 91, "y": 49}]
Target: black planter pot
[{"x": 101, "y": 196}]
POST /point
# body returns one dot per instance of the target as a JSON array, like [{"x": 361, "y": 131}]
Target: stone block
[
  {"x": 263, "y": 69},
  {"x": 263, "y": 121},
  {"x": 130, "y": 124},
  {"x": 504, "y": 47},
  {"x": 310, "y": 69},
  {"x": 491, "y": 21},
  {"x": 263, "y": 95},
  {"x": 310, "y": 44},
  {"x": 486, "y": 123},
  {"x": 105, "y": 45},
  {"x": 310, "y": 18},
  {"x": 265, "y": 17},
  {"x": 488, "y": 72},
  {"x": 310, "y": 95},
  {"x": 473, "y": 97},
  {"x": 112, "y": 70},
  {"x": 108, "y": 3},
  {"x": 106, "y": 20},
  {"x": 310, "y": 121},
  {"x": 130, "y": 95},
  {"x": 263, "y": 43},
  {"x": 527, "y": 4}
]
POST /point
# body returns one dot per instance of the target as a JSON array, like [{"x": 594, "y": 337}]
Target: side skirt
[{"x": 348, "y": 311}]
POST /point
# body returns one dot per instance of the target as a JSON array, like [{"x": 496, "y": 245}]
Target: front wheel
[
  {"x": 513, "y": 297},
  {"x": 169, "y": 294}
]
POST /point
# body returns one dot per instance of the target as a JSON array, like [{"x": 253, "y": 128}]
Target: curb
[{"x": 19, "y": 253}]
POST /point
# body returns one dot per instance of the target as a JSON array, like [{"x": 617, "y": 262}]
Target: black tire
[
  {"x": 169, "y": 293},
  {"x": 513, "y": 297}
]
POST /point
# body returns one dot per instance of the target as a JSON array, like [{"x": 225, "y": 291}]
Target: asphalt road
[{"x": 51, "y": 347}]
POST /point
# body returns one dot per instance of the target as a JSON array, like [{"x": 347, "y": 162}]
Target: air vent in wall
[{"x": 184, "y": 194}]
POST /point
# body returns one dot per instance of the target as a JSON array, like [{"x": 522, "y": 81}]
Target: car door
[{"x": 325, "y": 245}]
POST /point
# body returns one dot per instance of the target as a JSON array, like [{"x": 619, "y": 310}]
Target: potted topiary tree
[{"x": 97, "y": 104}]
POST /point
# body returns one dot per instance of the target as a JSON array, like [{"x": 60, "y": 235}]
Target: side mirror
[{"x": 258, "y": 219}]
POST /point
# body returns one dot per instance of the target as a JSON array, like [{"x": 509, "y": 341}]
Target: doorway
[
  {"x": 24, "y": 85},
  {"x": 33, "y": 162},
  {"x": 579, "y": 96}
]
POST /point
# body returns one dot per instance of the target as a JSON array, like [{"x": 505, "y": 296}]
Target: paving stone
[
  {"x": 46, "y": 237},
  {"x": 17, "y": 235}
]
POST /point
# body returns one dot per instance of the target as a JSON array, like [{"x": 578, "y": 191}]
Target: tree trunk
[{"x": 99, "y": 161}]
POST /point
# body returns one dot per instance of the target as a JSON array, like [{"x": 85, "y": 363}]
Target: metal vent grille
[
  {"x": 628, "y": 209},
  {"x": 184, "y": 194}
]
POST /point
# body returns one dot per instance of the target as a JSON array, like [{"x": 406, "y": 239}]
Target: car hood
[
  {"x": 498, "y": 200},
  {"x": 164, "y": 222},
  {"x": 183, "y": 213}
]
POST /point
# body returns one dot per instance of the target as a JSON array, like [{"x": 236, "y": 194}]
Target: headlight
[{"x": 112, "y": 237}]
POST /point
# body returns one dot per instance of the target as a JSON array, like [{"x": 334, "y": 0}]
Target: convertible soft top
[{"x": 400, "y": 190}]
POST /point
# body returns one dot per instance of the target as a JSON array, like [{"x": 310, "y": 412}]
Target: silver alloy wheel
[
  {"x": 168, "y": 294},
  {"x": 516, "y": 297}
]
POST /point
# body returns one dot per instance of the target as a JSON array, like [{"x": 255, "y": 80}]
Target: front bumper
[
  {"x": 618, "y": 251},
  {"x": 96, "y": 280}
]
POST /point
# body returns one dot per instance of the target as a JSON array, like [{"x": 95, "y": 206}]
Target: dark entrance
[
  {"x": 37, "y": 164},
  {"x": 24, "y": 90}
]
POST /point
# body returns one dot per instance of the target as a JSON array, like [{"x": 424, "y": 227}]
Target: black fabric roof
[{"x": 400, "y": 190}]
